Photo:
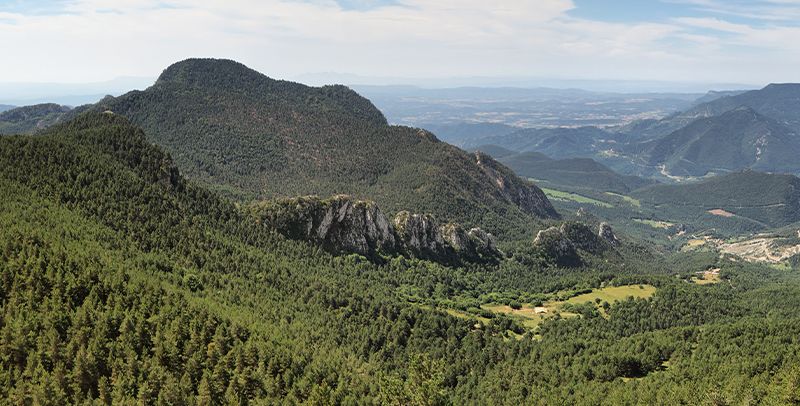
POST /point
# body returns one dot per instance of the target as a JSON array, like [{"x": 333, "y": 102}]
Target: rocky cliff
[
  {"x": 524, "y": 194},
  {"x": 562, "y": 244},
  {"x": 343, "y": 225}
]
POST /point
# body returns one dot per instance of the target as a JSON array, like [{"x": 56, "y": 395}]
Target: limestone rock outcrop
[
  {"x": 562, "y": 244},
  {"x": 524, "y": 194},
  {"x": 343, "y": 225},
  {"x": 607, "y": 234}
]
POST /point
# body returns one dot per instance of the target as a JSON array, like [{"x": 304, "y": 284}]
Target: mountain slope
[
  {"x": 766, "y": 200},
  {"x": 124, "y": 283},
  {"x": 553, "y": 142},
  {"x": 27, "y": 119},
  {"x": 573, "y": 172},
  {"x": 780, "y": 102},
  {"x": 460, "y": 133},
  {"x": 737, "y": 139},
  {"x": 251, "y": 136}
]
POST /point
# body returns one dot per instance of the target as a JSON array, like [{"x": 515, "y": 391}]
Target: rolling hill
[
  {"x": 734, "y": 140},
  {"x": 572, "y": 172},
  {"x": 760, "y": 199},
  {"x": 27, "y": 119},
  {"x": 250, "y": 136},
  {"x": 460, "y": 133},
  {"x": 557, "y": 143},
  {"x": 780, "y": 102}
]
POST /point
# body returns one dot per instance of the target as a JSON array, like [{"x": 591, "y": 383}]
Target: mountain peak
[
  {"x": 210, "y": 71},
  {"x": 784, "y": 86}
]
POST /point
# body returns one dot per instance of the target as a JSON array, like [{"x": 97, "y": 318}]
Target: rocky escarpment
[
  {"x": 524, "y": 194},
  {"x": 343, "y": 225},
  {"x": 338, "y": 224},
  {"x": 563, "y": 244}
]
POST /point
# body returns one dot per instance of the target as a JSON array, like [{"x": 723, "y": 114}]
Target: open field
[
  {"x": 566, "y": 196},
  {"x": 614, "y": 293},
  {"x": 531, "y": 316},
  {"x": 655, "y": 223},
  {"x": 708, "y": 277},
  {"x": 632, "y": 201}
]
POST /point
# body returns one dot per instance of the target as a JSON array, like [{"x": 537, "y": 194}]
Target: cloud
[
  {"x": 93, "y": 40},
  {"x": 783, "y": 11}
]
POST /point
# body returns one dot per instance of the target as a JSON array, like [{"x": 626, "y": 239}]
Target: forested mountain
[
  {"x": 4, "y": 107},
  {"x": 122, "y": 282},
  {"x": 713, "y": 95},
  {"x": 726, "y": 131},
  {"x": 780, "y": 102},
  {"x": 461, "y": 133},
  {"x": 553, "y": 142},
  {"x": 28, "y": 119},
  {"x": 250, "y": 136},
  {"x": 768, "y": 200},
  {"x": 573, "y": 172},
  {"x": 734, "y": 140}
]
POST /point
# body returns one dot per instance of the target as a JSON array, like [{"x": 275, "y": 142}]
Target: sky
[{"x": 730, "y": 41}]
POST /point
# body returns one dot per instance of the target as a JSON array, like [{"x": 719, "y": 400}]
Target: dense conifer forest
[{"x": 123, "y": 282}]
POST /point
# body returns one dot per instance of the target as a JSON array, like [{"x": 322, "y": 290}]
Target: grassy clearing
[
  {"x": 655, "y": 223},
  {"x": 614, "y": 293},
  {"x": 531, "y": 317},
  {"x": 708, "y": 277},
  {"x": 695, "y": 242},
  {"x": 632, "y": 201},
  {"x": 573, "y": 197}
]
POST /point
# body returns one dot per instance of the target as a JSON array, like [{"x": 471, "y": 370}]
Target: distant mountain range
[{"x": 723, "y": 132}]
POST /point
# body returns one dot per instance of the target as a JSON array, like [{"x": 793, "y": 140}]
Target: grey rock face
[
  {"x": 607, "y": 234},
  {"x": 343, "y": 225},
  {"x": 561, "y": 244},
  {"x": 527, "y": 196},
  {"x": 339, "y": 224},
  {"x": 419, "y": 234},
  {"x": 485, "y": 243},
  {"x": 556, "y": 246}
]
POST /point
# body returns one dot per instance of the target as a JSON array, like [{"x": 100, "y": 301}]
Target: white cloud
[{"x": 101, "y": 39}]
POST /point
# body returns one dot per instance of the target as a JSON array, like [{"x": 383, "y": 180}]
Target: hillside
[
  {"x": 553, "y": 142},
  {"x": 27, "y": 119},
  {"x": 122, "y": 283},
  {"x": 572, "y": 172},
  {"x": 250, "y": 136},
  {"x": 780, "y": 102},
  {"x": 737, "y": 139},
  {"x": 764, "y": 200},
  {"x": 713, "y": 95},
  {"x": 4, "y": 107},
  {"x": 460, "y": 133}
]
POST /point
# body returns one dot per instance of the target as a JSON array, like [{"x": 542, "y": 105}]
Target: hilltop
[
  {"x": 250, "y": 136},
  {"x": 760, "y": 200},
  {"x": 571, "y": 172},
  {"x": 27, "y": 119},
  {"x": 734, "y": 140}
]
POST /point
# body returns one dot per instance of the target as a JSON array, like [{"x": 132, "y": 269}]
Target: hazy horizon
[{"x": 670, "y": 41}]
